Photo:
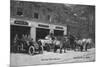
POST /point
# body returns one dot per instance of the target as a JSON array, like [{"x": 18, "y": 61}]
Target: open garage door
[
  {"x": 58, "y": 32},
  {"x": 19, "y": 30},
  {"x": 41, "y": 33}
]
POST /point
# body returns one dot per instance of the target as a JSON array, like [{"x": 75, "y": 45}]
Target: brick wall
[{"x": 55, "y": 13}]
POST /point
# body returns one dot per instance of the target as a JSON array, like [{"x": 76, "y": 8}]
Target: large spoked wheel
[{"x": 31, "y": 50}]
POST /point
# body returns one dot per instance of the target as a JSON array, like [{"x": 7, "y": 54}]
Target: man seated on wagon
[{"x": 50, "y": 36}]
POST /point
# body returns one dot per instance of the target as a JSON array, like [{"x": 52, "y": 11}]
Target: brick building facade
[
  {"x": 35, "y": 19},
  {"x": 57, "y": 14}
]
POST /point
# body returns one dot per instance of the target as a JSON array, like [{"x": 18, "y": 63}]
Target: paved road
[{"x": 52, "y": 58}]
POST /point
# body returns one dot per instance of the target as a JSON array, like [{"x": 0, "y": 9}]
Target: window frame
[
  {"x": 36, "y": 15},
  {"x": 20, "y": 10}
]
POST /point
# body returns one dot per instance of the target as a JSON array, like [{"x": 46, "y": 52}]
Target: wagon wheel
[{"x": 31, "y": 50}]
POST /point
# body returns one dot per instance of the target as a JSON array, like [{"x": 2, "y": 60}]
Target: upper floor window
[
  {"x": 48, "y": 17},
  {"x": 36, "y": 15},
  {"x": 20, "y": 11}
]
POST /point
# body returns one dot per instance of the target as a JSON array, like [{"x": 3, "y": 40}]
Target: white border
[
  {"x": 84, "y": 2},
  {"x": 5, "y": 32}
]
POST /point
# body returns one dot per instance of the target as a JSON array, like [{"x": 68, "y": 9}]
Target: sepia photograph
[{"x": 51, "y": 33}]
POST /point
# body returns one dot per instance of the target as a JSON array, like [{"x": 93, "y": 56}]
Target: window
[
  {"x": 19, "y": 11},
  {"x": 48, "y": 17},
  {"x": 36, "y": 15}
]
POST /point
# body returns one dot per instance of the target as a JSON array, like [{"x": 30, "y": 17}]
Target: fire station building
[{"x": 34, "y": 19}]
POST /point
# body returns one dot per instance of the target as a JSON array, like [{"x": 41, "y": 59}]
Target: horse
[
  {"x": 84, "y": 43},
  {"x": 88, "y": 43},
  {"x": 60, "y": 43},
  {"x": 79, "y": 45}
]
